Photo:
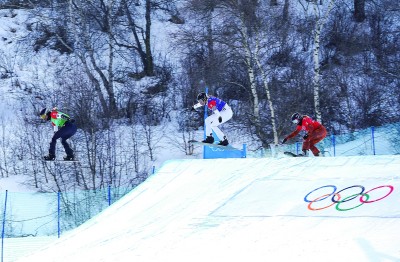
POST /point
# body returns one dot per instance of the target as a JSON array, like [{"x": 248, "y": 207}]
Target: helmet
[
  {"x": 296, "y": 117},
  {"x": 43, "y": 113},
  {"x": 202, "y": 97}
]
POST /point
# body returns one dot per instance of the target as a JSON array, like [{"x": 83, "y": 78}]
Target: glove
[
  {"x": 305, "y": 136},
  {"x": 65, "y": 117},
  {"x": 220, "y": 119},
  {"x": 192, "y": 109},
  {"x": 284, "y": 140}
]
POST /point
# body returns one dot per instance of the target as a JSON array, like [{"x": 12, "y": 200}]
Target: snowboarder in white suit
[{"x": 221, "y": 113}]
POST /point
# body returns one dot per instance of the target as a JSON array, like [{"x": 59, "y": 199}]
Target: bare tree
[
  {"x": 268, "y": 93},
  {"x": 141, "y": 36},
  {"x": 103, "y": 14},
  {"x": 359, "y": 10},
  {"x": 197, "y": 37},
  {"x": 273, "y": 2},
  {"x": 321, "y": 14},
  {"x": 236, "y": 36}
]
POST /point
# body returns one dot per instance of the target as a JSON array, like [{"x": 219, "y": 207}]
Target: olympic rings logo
[{"x": 335, "y": 197}]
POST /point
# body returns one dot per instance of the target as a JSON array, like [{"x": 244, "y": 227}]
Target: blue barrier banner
[{"x": 216, "y": 152}]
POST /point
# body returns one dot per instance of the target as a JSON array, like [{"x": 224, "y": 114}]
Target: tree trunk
[
  {"x": 267, "y": 90},
  {"x": 210, "y": 68},
  {"x": 359, "y": 10},
  {"x": 252, "y": 78},
  {"x": 273, "y": 3},
  {"x": 147, "y": 42},
  {"x": 285, "y": 11},
  {"x": 110, "y": 83},
  {"x": 145, "y": 54},
  {"x": 316, "y": 79}
]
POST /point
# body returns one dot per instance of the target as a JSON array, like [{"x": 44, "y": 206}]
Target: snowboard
[
  {"x": 55, "y": 160},
  {"x": 228, "y": 147},
  {"x": 60, "y": 160},
  {"x": 292, "y": 154}
]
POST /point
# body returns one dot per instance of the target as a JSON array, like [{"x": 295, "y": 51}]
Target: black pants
[{"x": 65, "y": 132}]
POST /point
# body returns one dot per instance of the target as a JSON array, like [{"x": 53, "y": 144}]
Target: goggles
[{"x": 295, "y": 121}]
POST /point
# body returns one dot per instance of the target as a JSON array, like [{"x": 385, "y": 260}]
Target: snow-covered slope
[{"x": 248, "y": 210}]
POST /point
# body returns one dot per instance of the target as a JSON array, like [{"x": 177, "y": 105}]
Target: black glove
[
  {"x": 220, "y": 119},
  {"x": 192, "y": 109},
  {"x": 284, "y": 140},
  {"x": 65, "y": 117},
  {"x": 305, "y": 136}
]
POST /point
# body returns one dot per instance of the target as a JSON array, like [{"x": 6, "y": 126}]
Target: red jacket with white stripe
[{"x": 306, "y": 124}]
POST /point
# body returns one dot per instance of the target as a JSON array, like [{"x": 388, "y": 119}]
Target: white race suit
[{"x": 220, "y": 109}]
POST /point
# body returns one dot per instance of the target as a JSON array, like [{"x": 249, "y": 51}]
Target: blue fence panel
[
  {"x": 3, "y": 227},
  {"x": 217, "y": 152}
]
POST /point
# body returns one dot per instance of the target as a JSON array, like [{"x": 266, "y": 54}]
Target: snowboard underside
[{"x": 228, "y": 147}]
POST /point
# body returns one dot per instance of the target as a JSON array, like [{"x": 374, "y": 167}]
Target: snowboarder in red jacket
[{"x": 315, "y": 132}]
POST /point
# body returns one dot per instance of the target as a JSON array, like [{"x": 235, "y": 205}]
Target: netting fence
[
  {"x": 371, "y": 141},
  {"x": 46, "y": 214}
]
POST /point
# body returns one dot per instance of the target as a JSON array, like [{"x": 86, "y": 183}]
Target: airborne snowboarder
[
  {"x": 64, "y": 128},
  {"x": 221, "y": 113}
]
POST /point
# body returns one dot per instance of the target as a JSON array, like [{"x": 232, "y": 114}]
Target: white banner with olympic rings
[{"x": 339, "y": 198}]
